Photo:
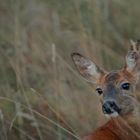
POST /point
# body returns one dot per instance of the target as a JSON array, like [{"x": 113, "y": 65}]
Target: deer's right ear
[{"x": 88, "y": 69}]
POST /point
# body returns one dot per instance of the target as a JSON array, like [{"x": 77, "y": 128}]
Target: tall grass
[{"x": 42, "y": 97}]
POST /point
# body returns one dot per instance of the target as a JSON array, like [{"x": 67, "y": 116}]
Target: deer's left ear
[
  {"x": 133, "y": 58},
  {"x": 87, "y": 68}
]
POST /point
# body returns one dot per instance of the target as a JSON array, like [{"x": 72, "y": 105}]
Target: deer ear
[
  {"x": 133, "y": 57},
  {"x": 88, "y": 69}
]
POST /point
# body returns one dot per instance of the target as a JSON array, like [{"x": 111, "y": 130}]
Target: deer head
[{"x": 116, "y": 88}]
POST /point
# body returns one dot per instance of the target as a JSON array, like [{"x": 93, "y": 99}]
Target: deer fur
[{"x": 117, "y": 88}]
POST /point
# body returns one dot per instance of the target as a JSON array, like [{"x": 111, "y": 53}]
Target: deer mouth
[{"x": 114, "y": 114}]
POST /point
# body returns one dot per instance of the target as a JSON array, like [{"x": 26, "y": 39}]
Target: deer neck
[
  {"x": 123, "y": 129},
  {"x": 127, "y": 127}
]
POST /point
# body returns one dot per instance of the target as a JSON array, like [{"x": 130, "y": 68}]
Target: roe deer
[{"x": 118, "y": 99}]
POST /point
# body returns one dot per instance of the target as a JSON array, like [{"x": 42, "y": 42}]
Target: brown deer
[{"x": 117, "y": 92}]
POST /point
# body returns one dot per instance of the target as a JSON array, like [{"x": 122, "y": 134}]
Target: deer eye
[
  {"x": 99, "y": 90},
  {"x": 125, "y": 86}
]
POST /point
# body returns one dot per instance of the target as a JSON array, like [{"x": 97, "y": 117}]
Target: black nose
[{"x": 109, "y": 107}]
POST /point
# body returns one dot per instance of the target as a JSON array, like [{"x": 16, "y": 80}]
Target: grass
[{"x": 42, "y": 96}]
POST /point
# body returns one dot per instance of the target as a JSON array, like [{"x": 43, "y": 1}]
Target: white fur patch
[
  {"x": 92, "y": 69},
  {"x": 113, "y": 115}
]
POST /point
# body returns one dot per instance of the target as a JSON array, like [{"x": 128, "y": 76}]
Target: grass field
[{"x": 42, "y": 97}]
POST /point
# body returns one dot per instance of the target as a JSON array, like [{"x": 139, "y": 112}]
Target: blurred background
[{"x": 42, "y": 97}]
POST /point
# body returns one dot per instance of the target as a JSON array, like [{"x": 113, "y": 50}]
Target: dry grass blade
[{"x": 44, "y": 117}]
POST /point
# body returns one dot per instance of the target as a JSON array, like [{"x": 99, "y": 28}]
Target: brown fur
[
  {"x": 127, "y": 127},
  {"x": 115, "y": 129}
]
